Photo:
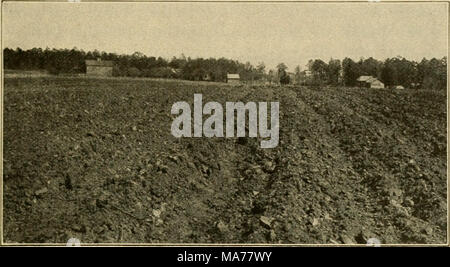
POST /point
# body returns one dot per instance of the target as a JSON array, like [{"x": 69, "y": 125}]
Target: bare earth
[{"x": 94, "y": 159}]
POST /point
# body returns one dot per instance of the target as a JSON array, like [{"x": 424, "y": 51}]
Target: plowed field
[{"x": 95, "y": 159}]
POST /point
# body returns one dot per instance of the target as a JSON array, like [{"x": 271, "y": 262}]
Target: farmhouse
[
  {"x": 370, "y": 82},
  {"x": 233, "y": 78},
  {"x": 99, "y": 67}
]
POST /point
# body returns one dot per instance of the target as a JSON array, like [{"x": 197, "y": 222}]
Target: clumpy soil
[{"x": 95, "y": 159}]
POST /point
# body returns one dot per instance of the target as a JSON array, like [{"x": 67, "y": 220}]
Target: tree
[
  {"x": 388, "y": 75},
  {"x": 333, "y": 71},
  {"x": 399, "y": 71},
  {"x": 282, "y": 74},
  {"x": 319, "y": 70},
  {"x": 298, "y": 75},
  {"x": 281, "y": 67},
  {"x": 432, "y": 73},
  {"x": 272, "y": 76},
  {"x": 260, "y": 70},
  {"x": 351, "y": 72},
  {"x": 284, "y": 78}
]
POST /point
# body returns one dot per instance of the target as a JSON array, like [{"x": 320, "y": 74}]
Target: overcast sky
[{"x": 291, "y": 33}]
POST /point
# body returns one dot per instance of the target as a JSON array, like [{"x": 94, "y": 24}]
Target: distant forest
[
  {"x": 72, "y": 61},
  {"x": 426, "y": 74}
]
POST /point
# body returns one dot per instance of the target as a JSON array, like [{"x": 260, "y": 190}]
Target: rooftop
[
  {"x": 367, "y": 79},
  {"x": 233, "y": 76}
]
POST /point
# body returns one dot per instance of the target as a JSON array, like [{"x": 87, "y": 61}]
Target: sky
[{"x": 272, "y": 33}]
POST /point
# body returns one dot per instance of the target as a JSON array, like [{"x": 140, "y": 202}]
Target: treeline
[
  {"x": 72, "y": 61},
  {"x": 426, "y": 74}
]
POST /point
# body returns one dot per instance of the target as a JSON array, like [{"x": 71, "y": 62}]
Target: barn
[
  {"x": 233, "y": 78},
  {"x": 99, "y": 67},
  {"x": 370, "y": 82}
]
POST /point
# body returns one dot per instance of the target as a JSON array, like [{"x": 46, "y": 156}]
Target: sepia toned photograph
[{"x": 231, "y": 123}]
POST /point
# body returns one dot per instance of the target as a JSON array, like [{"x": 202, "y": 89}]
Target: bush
[{"x": 134, "y": 72}]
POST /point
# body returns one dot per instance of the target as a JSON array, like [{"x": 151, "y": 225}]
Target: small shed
[
  {"x": 377, "y": 84},
  {"x": 369, "y": 82},
  {"x": 99, "y": 67},
  {"x": 233, "y": 78},
  {"x": 399, "y": 87}
]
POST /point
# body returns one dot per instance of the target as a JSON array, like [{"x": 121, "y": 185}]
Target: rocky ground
[{"x": 94, "y": 159}]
